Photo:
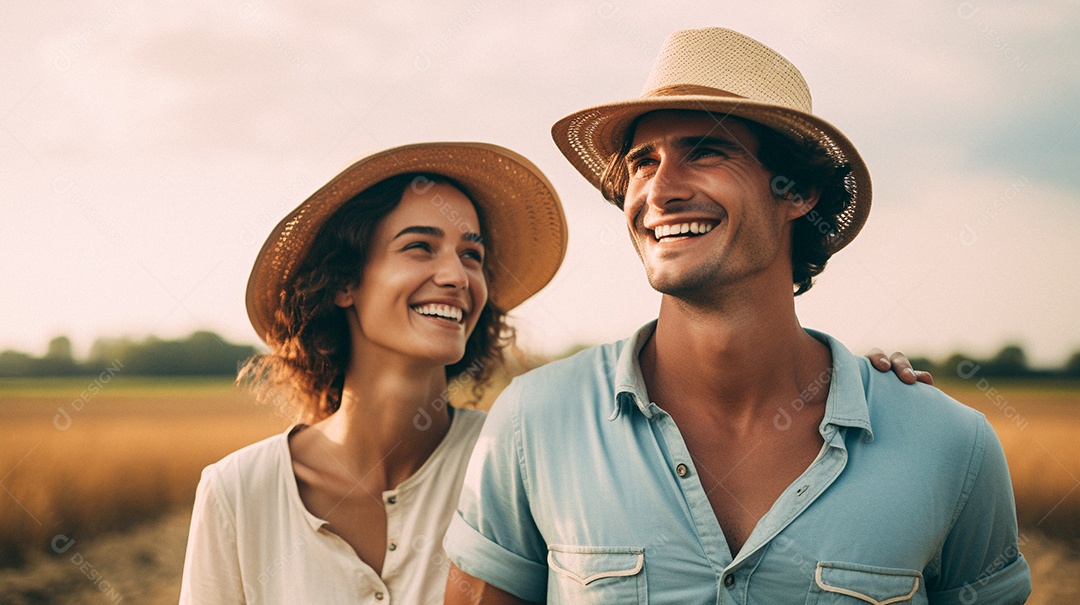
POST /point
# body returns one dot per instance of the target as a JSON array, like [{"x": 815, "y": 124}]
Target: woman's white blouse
[{"x": 253, "y": 541}]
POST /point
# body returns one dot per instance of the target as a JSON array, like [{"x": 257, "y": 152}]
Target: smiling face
[
  {"x": 699, "y": 207},
  {"x": 422, "y": 288}
]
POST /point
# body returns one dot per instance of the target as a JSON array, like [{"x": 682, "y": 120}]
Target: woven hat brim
[
  {"x": 525, "y": 227},
  {"x": 590, "y": 137}
]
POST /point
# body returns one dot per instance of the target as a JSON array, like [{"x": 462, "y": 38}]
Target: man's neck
[{"x": 738, "y": 355}]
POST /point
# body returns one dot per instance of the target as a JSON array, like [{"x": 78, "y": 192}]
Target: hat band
[{"x": 675, "y": 90}]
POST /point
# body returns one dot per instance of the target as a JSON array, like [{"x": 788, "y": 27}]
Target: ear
[
  {"x": 344, "y": 298},
  {"x": 799, "y": 205}
]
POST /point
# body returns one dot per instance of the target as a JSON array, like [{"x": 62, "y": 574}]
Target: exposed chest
[
  {"x": 744, "y": 475},
  {"x": 353, "y": 511}
]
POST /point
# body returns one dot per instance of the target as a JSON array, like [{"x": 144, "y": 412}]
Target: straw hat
[
  {"x": 524, "y": 221},
  {"x": 724, "y": 72}
]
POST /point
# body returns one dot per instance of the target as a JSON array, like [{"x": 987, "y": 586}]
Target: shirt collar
[
  {"x": 845, "y": 406},
  {"x": 629, "y": 383}
]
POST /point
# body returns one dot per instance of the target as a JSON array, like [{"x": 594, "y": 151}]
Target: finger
[
  {"x": 924, "y": 377},
  {"x": 878, "y": 359},
  {"x": 902, "y": 368}
]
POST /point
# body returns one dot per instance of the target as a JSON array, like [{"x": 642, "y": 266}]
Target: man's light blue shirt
[{"x": 581, "y": 490}]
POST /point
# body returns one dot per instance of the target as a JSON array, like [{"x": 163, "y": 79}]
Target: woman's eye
[
  {"x": 418, "y": 246},
  {"x": 475, "y": 255}
]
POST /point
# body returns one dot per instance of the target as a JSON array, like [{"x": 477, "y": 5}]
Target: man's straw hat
[
  {"x": 723, "y": 72},
  {"x": 524, "y": 222}
]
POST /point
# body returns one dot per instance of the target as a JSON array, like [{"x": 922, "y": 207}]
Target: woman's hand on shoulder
[{"x": 899, "y": 364}]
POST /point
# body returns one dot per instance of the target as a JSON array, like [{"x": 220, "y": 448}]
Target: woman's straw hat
[
  {"x": 723, "y": 72},
  {"x": 524, "y": 222}
]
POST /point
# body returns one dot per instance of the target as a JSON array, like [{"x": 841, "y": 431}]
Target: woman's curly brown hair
[
  {"x": 798, "y": 168},
  {"x": 309, "y": 339}
]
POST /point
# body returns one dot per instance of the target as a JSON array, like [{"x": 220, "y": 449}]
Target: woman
[
  {"x": 383, "y": 291},
  {"x": 375, "y": 295}
]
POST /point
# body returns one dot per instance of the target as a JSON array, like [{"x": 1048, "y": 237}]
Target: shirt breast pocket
[
  {"x": 838, "y": 583},
  {"x": 596, "y": 574}
]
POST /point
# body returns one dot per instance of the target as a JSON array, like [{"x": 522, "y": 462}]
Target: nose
[
  {"x": 451, "y": 273},
  {"x": 668, "y": 183}
]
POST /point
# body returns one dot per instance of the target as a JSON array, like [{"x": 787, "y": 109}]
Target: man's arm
[
  {"x": 463, "y": 589},
  {"x": 494, "y": 536},
  {"x": 980, "y": 559}
]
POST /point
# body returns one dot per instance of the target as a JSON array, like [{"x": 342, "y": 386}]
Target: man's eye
[
  {"x": 642, "y": 166},
  {"x": 704, "y": 153}
]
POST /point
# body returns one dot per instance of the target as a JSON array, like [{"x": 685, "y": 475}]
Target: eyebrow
[
  {"x": 421, "y": 231},
  {"x": 685, "y": 143},
  {"x": 468, "y": 236}
]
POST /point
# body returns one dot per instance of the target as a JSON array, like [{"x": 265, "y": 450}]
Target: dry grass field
[
  {"x": 133, "y": 451},
  {"x": 115, "y": 470}
]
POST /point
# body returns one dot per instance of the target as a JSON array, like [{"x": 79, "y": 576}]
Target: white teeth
[
  {"x": 444, "y": 311},
  {"x": 674, "y": 230}
]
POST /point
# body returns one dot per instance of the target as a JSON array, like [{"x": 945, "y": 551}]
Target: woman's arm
[
  {"x": 463, "y": 589},
  {"x": 211, "y": 564}
]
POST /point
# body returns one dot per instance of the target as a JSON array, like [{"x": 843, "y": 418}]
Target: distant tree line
[
  {"x": 207, "y": 354},
  {"x": 200, "y": 354},
  {"x": 1009, "y": 362}
]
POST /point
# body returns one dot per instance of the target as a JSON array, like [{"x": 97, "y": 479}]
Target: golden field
[
  {"x": 127, "y": 456},
  {"x": 134, "y": 450}
]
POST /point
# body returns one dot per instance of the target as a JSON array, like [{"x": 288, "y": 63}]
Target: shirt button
[
  {"x": 391, "y": 500},
  {"x": 681, "y": 470},
  {"x": 378, "y": 596},
  {"x": 729, "y": 580},
  {"x": 393, "y": 546}
]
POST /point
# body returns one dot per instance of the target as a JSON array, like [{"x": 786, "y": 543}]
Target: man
[{"x": 724, "y": 454}]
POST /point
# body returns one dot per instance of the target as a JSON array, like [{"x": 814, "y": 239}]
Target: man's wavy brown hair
[
  {"x": 798, "y": 168},
  {"x": 309, "y": 338}
]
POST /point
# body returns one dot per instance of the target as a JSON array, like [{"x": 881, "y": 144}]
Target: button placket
[
  {"x": 393, "y": 529},
  {"x": 701, "y": 514}
]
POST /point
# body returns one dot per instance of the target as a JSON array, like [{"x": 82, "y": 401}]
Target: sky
[{"x": 149, "y": 148}]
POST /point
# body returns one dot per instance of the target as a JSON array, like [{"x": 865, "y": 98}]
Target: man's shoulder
[{"x": 919, "y": 409}]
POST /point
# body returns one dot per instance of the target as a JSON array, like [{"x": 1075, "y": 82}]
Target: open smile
[
  {"x": 679, "y": 231},
  {"x": 449, "y": 313}
]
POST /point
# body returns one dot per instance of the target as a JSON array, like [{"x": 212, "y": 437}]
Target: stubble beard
[{"x": 711, "y": 281}]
